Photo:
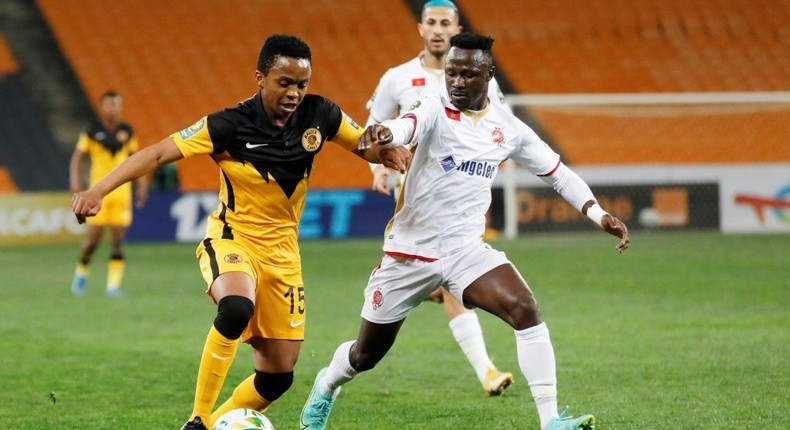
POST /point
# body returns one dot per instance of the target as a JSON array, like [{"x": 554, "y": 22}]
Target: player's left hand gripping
[
  {"x": 615, "y": 227},
  {"x": 83, "y": 206},
  {"x": 395, "y": 158}
]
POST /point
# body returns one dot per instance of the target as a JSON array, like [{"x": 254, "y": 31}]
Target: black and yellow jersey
[
  {"x": 107, "y": 149},
  {"x": 264, "y": 168}
]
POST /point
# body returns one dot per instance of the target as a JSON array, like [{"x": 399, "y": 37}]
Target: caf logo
[
  {"x": 311, "y": 139},
  {"x": 233, "y": 258}
]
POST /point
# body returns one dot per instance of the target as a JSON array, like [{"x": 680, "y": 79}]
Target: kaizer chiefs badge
[
  {"x": 122, "y": 136},
  {"x": 311, "y": 139}
]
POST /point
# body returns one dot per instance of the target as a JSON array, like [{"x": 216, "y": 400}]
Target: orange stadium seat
[
  {"x": 7, "y": 62},
  {"x": 175, "y": 61},
  {"x": 7, "y": 184},
  {"x": 643, "y": 46}
]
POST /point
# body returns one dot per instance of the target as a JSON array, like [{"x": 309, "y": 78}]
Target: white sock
[
  {"x": 536, "y": 360},
  {"x": 469, "y": 335},
  {"x": 339, "y": 371}
]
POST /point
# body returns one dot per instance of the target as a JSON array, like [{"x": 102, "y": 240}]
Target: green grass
[{"x": 684, "y": 331}]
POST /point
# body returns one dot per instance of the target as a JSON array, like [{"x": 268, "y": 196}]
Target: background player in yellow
[
  {"x": 397, "y": 90},
  {"x": 106, "y": 143},
  {"x": 264, "y": 147}
]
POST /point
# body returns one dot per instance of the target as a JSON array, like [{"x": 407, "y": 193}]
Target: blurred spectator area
[
  {"x": 176, "y": 60},
  {"x": 26, "y": 145}
]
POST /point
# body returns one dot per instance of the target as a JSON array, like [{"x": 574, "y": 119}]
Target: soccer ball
[{"x": 243, "y": 419}]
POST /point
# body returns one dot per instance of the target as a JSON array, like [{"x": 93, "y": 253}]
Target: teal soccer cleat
[
  {"x": 315, "y": 412},
  {"x": 567, "y": 422}
]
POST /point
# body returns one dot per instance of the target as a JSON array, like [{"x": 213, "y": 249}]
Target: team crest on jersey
[
  {"x": 122, "y": 136},
  {"x": 192, "y": 129},
  {"x": 311, "y": 139},
  {"x": 378, "y": 298},
  {"x": 497, "y": 136},
  {"x": 233, "y": 259},
  {"x": 415, "y": 105}
]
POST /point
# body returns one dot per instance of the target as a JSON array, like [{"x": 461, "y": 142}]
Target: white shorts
[{"x": 400, "y": 284}]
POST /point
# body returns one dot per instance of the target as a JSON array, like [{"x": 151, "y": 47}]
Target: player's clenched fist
[
  {"x": 375, "y": 134},
  {"x": 85, "y": 204}
]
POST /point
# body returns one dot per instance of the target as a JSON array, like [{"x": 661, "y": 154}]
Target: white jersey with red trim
[
  {"x": 400, "y": 86},
  {"x": 448, "y": 189}
]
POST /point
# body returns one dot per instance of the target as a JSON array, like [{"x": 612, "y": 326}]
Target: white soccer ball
[{"x": 243, "y": 419}]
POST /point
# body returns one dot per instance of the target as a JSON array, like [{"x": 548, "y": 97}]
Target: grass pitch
[{"x": 683, "y": 331}]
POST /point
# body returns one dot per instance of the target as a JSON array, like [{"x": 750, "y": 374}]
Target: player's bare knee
[
  {"x": 523, "y": 313},
  {"x": 362, "y": 362},
  {"x": 233, "y": 315}
]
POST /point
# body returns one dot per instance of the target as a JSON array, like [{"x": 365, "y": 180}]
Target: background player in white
[
  {"x": 398, "y": 88},
  {"x": 434, "y": 238}
]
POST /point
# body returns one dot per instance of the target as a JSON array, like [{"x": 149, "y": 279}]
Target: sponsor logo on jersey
[
  {"x": 418, "y": 82},
  {"x": 452, "y": 114},
  {"x": 233, "y": 259},
  {"x": 415, "y": 105},
  {"x": 311, "y": 139},
  {"x": 478, "y": 168},
  {"x": 448, "y": 163},
  {"x": 192, "y": 129},
  {"x": 377, "y": 298},
  {"x": 497, "y": 136}
]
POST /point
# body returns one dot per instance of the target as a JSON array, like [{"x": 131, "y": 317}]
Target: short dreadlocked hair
[
  {"x": 472, "y": 41},
  {"x": 281, "y": 45}
]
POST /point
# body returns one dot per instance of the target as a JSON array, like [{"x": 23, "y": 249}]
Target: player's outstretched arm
[
  {"x": 88, "y": 203},
  {"x": 374, "y": 146}
]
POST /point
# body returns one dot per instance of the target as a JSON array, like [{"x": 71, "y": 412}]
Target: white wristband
[{"x": 596, "y": 213}]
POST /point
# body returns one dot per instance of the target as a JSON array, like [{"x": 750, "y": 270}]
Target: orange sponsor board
[{"x": 38, "y": 218}]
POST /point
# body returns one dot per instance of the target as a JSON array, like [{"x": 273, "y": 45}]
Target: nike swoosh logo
[
  {"x": 295, "y": 324},
  {"x": 253, "y": 146}
]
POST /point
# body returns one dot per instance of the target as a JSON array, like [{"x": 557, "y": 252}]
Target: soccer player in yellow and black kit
[
  {"x": 264, "y": 148},
  {"x": 107, "y": 142}
]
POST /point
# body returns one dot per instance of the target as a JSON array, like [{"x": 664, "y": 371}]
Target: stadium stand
[
  {"x": 29, "y": 158},
  {"x": 175, "y": 61},
  {"x": 643, "y": 46},
  {"x": 7, "y": 66}
]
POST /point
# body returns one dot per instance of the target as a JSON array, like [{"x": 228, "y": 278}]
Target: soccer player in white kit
[
  {"x": 434, "y": 238},
  {"x": 398, "y": 88}
]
